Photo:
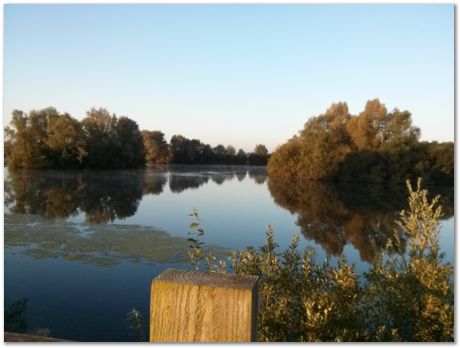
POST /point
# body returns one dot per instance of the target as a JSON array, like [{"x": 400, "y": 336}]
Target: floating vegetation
[{"x": 101, "y": 245}]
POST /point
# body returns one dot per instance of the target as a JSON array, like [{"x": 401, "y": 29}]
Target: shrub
[{"x": 405, "y": 296}]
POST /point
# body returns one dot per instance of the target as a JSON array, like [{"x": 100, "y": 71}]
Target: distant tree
[
  {"x": 441, "y": 159},
  {"x": 230, "y": 153},
  {"x": 99, "y": 127},
  {"x": 195, "y": 151},
  {"x": 66, "y": 142},
  {"x": 208, "y": 154},
  {"x": 157, "y": 150},
  {"x": 186, "y": 151},
  {"x": 130, "y": 142},
  {"x": 260, "y": 150},
  {"x": 376, "y": 128},
  {"x": 367, "y": 129},
  {"x": 17, "y": 136},
  {"x": 219, "y": 154},
  {"x": 259, "y": 156},
  {"x": 219, "y": 150},
  {"x": 27, "y": 135},
  {"x": 179, "y": 148},
  {"x": 324, "y": 142},
  {"x": 375, "y": 146},
  {"x": 241, "y": 157},
  {"x": 285, "y": 159}
]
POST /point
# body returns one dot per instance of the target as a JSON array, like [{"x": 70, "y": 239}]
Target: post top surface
[{"x": 217, "y": 280}]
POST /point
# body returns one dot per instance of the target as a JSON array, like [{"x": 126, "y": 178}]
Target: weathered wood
[
  {"x": 22, "y": 337},
  {"x": 191, "y": 306}
]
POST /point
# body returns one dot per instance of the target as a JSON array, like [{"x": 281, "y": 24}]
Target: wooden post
[{"x": 192, "y": 306}]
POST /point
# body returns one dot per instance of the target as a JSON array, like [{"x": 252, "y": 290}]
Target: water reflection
[
  {"x": 180, "y": 183},
  {"x": 335, "y": 215},
  {"x": 102, "y": 196},
  {"x": 330, "y": 215},
  {"x": 105, "y": 196},
  {"x": 154, "y": 184},
  {"x": 259, "y": 175}
]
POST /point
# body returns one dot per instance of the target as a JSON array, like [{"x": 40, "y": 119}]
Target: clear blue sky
[{"x": 231, "y": 74}]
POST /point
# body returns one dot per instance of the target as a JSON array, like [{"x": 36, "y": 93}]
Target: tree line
[
  {"x": 48, "y": 139},
  {"x": 375, "y": 146}
]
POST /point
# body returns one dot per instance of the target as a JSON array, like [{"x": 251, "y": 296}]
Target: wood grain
[{"x": 191, "y": 306}]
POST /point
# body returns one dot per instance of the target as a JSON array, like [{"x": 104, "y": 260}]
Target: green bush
[{"x": 405, "y": 296}]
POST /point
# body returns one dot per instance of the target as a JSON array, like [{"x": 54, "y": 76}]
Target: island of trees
[
  {"x": 375, "y": 146},
  {"x": 48, "y": 139}
]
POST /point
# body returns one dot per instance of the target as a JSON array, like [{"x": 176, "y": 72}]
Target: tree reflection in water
[
  {"x": 102, "y": 196},
  {"x": 180, "y": 183},
  {"x": 331, "y": 215},
  {"x": 258, "y": 174},
  {"x": 335, "y": 215}
]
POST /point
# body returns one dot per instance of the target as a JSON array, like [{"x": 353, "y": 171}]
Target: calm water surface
[{"x": 83, "y": 246}]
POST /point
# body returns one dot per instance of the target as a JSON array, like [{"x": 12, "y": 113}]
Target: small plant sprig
[
  {"x": 214, "y": 265},
  {"x": 196, "y": 245},
  {"x": 196, "y": 254},
  {"x": 134, "y": 318}
]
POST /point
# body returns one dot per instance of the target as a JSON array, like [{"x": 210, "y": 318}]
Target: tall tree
[
  {"x": 219, "y": 154},
  {"x": 375, "y": 146},
  {"x": 157, "y": 150},
  {"x": 131, "y": 144},
  {"x": 66, "y": 142},
  {"x": 324, "y": 142},
  {"x": 28, "y": 134},
  {"x": 230, "y": 153},
  {"x": 99, "y": 127},
  {"x": 261, "y": 150},
  {"x": 241, "y": 157}
]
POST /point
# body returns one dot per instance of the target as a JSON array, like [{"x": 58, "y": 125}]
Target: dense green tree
[
  {"x": 66, "y": 142},
  {"x": 219, "y": 154},
  {"x": 261, "y": 150},
  {"x": 99, "y": 127},
  {"x": 195, "y": 151},
  {"x": 208, "y": 154},
  {"x": 27, "y": 135},
  {"x": 189, "y": 151},
  {"x": 375, "y": 146},
  {"x": 180, "y": 149},
  {"x": 219, "y": 150},
  {"x": 16, "y": 134},
  {"x": 131, "y": 153},
  {"x": 259, "y": 156},
  {"x": 367, "y": 129},
  {"x": 47, "y": 139},
  {"x": 241, "y": 157},
  {"x": 324, "y": 142},
  {"x": 230, "y": 151},
  {"x": 285, "y": 159},
  {"x": 157, "y": 150}
]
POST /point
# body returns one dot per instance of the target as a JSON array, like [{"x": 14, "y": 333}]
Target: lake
[{"x": 83, "y": 246}]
